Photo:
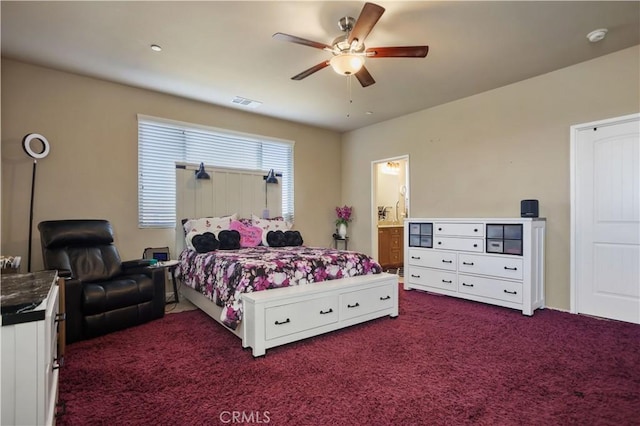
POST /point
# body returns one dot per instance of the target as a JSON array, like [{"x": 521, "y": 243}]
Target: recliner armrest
[
  {"x": 138, "y": 263},
  {"x": 140, "y": 266}
]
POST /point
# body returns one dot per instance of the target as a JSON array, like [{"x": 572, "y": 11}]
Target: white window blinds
[{"x": 161, "y": 143}]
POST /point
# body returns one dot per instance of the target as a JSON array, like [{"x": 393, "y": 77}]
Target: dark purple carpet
[{"x": 443, "y": 361}]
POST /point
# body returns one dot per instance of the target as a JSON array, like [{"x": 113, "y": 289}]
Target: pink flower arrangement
[{"x": 344, "y": 215}]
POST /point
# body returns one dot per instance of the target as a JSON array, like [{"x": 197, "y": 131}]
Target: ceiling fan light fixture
[{"x": 346, "y": 63}]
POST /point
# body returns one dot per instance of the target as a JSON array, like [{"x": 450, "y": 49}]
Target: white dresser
[
  {"x": 498, "y": 261},
  {"x": 30, "y": 357}
]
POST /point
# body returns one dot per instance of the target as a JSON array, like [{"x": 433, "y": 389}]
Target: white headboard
[{"x": 228, "y": 191}]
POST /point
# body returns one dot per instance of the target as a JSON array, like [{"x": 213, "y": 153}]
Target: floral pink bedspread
[{"x": 223, "y": 275}]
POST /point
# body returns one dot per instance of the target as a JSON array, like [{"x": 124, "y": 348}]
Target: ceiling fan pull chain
[{"x": 350, "y": 96}]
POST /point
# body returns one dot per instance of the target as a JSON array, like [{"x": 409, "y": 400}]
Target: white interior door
[{"x": 606, "y": 219}]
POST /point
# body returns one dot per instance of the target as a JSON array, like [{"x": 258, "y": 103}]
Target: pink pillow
[{"x": 250, "y": 236}]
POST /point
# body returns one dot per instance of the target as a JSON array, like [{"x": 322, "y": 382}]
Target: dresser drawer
[
  {"x": 395, "y": 256},
  {"x": 433, "y": 278},
  {"x": 395, "y": 230},
  {"x": 363, "y": 302},
  {"x": 396, "y": 242},
  {"x": 295, "y": 317},
  {"x": 52, "y": 364},
  {"x": 433, "y": 259},
  {"x": 51, "y": 325},
  {"x": 492, "y": 288},
  {"x": 462, "y": 244},
  {"x": 458, "y": 229},
  {"x": 497, "y": 266}
]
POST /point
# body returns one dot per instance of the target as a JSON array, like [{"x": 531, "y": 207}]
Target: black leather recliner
[{"x": 102, "y": 293}]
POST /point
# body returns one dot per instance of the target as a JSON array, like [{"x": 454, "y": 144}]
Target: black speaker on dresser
[{"x": 529, "y": 208}]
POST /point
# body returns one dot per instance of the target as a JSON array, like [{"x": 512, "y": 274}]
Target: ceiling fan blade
[
  {"x": 368, "y": 17},
  {"x": 307, "y": 73},
  {"x": 298, "y": 40},
  {"x": 398, "y": 52},
  {"x": 364, "y": 77}
]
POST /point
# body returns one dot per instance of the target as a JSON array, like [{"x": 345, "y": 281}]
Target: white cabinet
[
  {"x": 30, "y": 358},
  {"x": 285, "y": 315},
  {"x": 496, "y": 261}
]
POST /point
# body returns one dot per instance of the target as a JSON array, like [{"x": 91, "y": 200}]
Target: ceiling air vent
[{"x": 248, "y": 103}]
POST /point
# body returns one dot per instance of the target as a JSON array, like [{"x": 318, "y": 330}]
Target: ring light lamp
[{"x": 26, "y": 145}]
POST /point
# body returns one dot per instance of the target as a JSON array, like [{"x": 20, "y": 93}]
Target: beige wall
[
  {"x": 479, "y": 156},
  {"x": 91, "y": 171},
  {"x": 476, "y": 157}
]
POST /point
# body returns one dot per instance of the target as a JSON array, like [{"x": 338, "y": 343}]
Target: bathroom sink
[{"x": 388, "y": 223}]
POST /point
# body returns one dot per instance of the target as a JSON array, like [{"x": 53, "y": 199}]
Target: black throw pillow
[
  {"x": 292, "y": 238},
  {"x": 204, "y": 243},
  {"x": 275, "y": 239},
  {"x": 229, "y": 240}
]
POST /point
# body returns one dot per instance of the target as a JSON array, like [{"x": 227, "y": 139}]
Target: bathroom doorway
[{"x": 390, "y": 205}]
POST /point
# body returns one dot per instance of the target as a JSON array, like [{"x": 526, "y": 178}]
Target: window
[{"x": 161, "y": 143}]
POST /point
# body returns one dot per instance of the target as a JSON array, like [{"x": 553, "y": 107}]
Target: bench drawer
[
  {"x": 363, "y": 302},
  {"x": 295, "y": 317}
]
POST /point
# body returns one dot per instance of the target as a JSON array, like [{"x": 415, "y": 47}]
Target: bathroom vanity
[{"x": 391, "y": 246}]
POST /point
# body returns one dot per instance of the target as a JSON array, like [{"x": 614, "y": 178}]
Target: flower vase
[{"x": 342, "y": 230}]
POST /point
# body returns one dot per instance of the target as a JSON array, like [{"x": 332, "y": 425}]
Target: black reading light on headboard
[
  {"x": 271, "y": 177},
  {"x": 201, "y": 173}
]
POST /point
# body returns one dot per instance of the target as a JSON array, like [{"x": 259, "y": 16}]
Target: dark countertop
[{"x": 22, "y": 294}]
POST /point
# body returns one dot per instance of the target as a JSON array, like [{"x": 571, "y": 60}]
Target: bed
[{"x": 270, "y": 296}]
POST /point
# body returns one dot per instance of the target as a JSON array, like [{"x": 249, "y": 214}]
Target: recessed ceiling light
[
  {"x": 156, "y": 48},
  {"x": 369, "y": 112},
  {"x": 597, "y": 35}
]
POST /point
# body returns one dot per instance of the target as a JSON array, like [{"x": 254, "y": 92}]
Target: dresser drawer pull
[
  {"x": 467, "y": 285},
  {"x": 510, "y": 292},
  {"x": 326, "y": 312},
  {"x": 475, "y": 230},
  {"x": 415, "y": 276},
  {"x": 440, "y": 242},
  {"x": 439, "y": 229},
  {"x": 385, "y": 298},
  {"x": 57, "y": 363},
  {"x": 447, "y": 281},
  {"x": 415, "y": 257},
  {"x": 475, "y": 245},
  {"x": 447, "y": 261},
  {"x": 61, "y": 316},
  {"x": 283, "y": 322},
  {"x": 510, "y": 269},
  {"x": 353, "y": 306},
  {"x": 468, "y": 263}
]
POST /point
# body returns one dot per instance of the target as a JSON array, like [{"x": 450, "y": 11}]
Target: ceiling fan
[{"x": 349, "y": 51}]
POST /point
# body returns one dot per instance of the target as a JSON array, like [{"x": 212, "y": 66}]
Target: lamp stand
[
  {"x": 26, "y": 145},
  {"x": 33, "y": 185}
]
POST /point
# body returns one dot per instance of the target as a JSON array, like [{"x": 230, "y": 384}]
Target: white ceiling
[{"x": 214, "y": 50}]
